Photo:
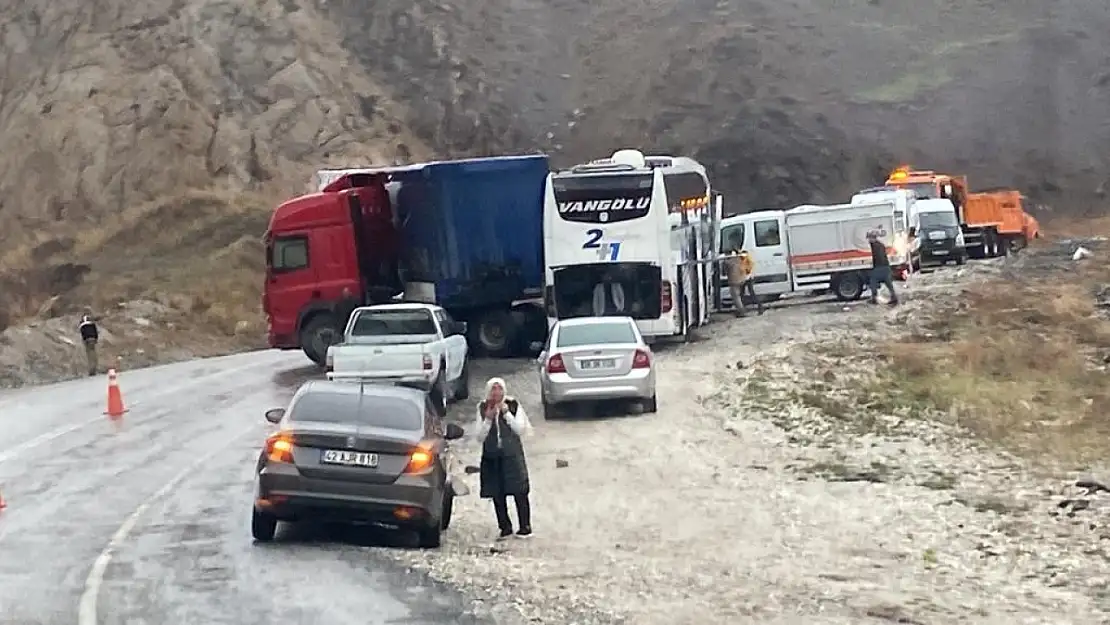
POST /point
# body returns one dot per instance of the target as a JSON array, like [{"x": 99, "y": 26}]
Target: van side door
[{"x": 769, "y": 249}]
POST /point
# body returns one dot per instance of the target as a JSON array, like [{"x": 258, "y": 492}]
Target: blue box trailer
[{"x": 472, "y": 242}]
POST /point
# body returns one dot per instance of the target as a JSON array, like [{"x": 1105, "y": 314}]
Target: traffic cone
[{"x": 115, "y": 397}]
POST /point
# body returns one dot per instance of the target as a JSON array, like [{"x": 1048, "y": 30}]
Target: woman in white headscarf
[{"x": 502, "y": 426}]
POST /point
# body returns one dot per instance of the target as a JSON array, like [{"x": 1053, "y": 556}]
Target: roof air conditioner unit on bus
[{"x": 634, "y": 158}]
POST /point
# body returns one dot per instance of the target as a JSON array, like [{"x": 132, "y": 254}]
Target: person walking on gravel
[
  {"x": 880, "y": 269},
  {"x": 502, "y": 425},
  {"x": 90, "y": 335}
]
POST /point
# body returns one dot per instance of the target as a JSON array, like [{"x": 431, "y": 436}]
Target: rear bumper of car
[
  {"x": 560, "y": 387},
  {"x": 289, "y": 496}
]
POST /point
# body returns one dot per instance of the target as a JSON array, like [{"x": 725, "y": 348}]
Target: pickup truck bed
[
  {"x": 415, "y": 345},
  {"x": 410, "y": 363}
]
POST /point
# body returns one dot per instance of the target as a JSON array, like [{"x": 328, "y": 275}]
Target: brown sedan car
[{"x": 358, "y": 453}]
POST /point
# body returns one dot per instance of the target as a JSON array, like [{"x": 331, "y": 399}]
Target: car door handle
[{"x": 777, "y": 254}]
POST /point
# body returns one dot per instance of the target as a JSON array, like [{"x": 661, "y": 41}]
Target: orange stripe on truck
[{"x": 825, "y": 257}]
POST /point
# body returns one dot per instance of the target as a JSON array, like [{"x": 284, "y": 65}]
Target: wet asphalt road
[{"x": 147, "y": 520}]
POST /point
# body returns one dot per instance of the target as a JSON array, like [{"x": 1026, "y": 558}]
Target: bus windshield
[{"x": 607, "y": 198}]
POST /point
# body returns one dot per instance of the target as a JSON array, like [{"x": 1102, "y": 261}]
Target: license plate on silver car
[
  {"x": 600, "y": 363},
  {"x": 349, "y": 458}
]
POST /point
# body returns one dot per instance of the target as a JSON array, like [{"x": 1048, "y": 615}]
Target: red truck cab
[{"x": 320, "y": 247}]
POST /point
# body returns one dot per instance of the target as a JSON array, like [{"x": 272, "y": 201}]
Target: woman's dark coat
[{"x": 503, "y": 470}]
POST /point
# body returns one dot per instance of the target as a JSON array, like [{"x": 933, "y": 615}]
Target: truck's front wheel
[{"x": 319, "y": 333}]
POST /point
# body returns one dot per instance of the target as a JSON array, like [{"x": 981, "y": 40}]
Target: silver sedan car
[{"x": 591, "y": 359}]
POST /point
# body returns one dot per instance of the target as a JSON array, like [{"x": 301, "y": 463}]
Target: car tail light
[
  {"x": 427, "y": 362},
  {"x": 666, "y": 300},
  {"x": 555, "y": 364},
  {"x": 641, "y": 360},
  {"x": 421, "y": 461},
  {"x": 279, "y": 448}
]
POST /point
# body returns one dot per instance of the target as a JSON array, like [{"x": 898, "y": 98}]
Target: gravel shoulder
[{"x": 740, "y": 502}]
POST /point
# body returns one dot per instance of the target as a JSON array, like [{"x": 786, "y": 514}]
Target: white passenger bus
[{"x": 648, "y": 223}]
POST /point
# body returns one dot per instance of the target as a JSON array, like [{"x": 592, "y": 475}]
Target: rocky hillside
[{"x": 142, "y": 144}]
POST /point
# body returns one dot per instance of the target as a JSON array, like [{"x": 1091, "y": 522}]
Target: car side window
[
  {"x": 444, "y": 324},
  {"x": 448, "y": 323},
  {"x": 767, "y": 233}
]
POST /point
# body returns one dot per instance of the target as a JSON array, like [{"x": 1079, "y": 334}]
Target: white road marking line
[
  {"x": 87, "y": 608},
  {"x": 46, "y": 437}
]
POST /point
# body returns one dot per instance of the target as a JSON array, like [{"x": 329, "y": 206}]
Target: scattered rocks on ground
[{"x": 743, "y": 500}]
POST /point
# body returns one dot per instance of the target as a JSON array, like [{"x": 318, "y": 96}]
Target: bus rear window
[{"x": 610, "y": 198}]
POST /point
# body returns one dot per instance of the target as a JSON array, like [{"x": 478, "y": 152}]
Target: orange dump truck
[{"x": 993, "y": 221}]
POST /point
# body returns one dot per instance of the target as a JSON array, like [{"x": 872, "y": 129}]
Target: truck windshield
[
  {"x": 923, "y": 190},
  {"x": 942, "y": 218},
  {"x": 610, "y": 198},
  {"x": 393, "y": 323}
]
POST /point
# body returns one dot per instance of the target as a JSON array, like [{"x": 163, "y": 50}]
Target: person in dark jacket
[
  {"x": 502, "y": 426},
  {"x": 90, "y": 335},
  {"x": 880, "y": 269}
]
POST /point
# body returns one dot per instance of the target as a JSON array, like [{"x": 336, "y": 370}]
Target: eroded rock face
[
  {"x": 108, "y": 107},
  {"x": 103, "y": 110}
]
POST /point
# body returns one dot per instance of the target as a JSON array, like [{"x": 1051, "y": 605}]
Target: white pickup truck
[{"x": 416, "y": 345}]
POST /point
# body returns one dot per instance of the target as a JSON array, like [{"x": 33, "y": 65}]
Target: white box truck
[
  {"x": 904, "y": 201},
  {"x": 814, "y": 248}
]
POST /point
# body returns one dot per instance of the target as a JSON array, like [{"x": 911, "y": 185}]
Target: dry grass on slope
[
  {"x": 197, "y": 252},
  {"x": 1022, "y": 361}
]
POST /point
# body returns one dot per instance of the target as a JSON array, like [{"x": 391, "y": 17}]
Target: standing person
[
  {"x": 608, "y": 297},
  {"x": 880, "y": 269},
  {"x": 748, "y": 265},
  {"x": 739, "y": 267},
  {"x": 502, "y": 424},
  {"x": 90, "y": 335}
]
